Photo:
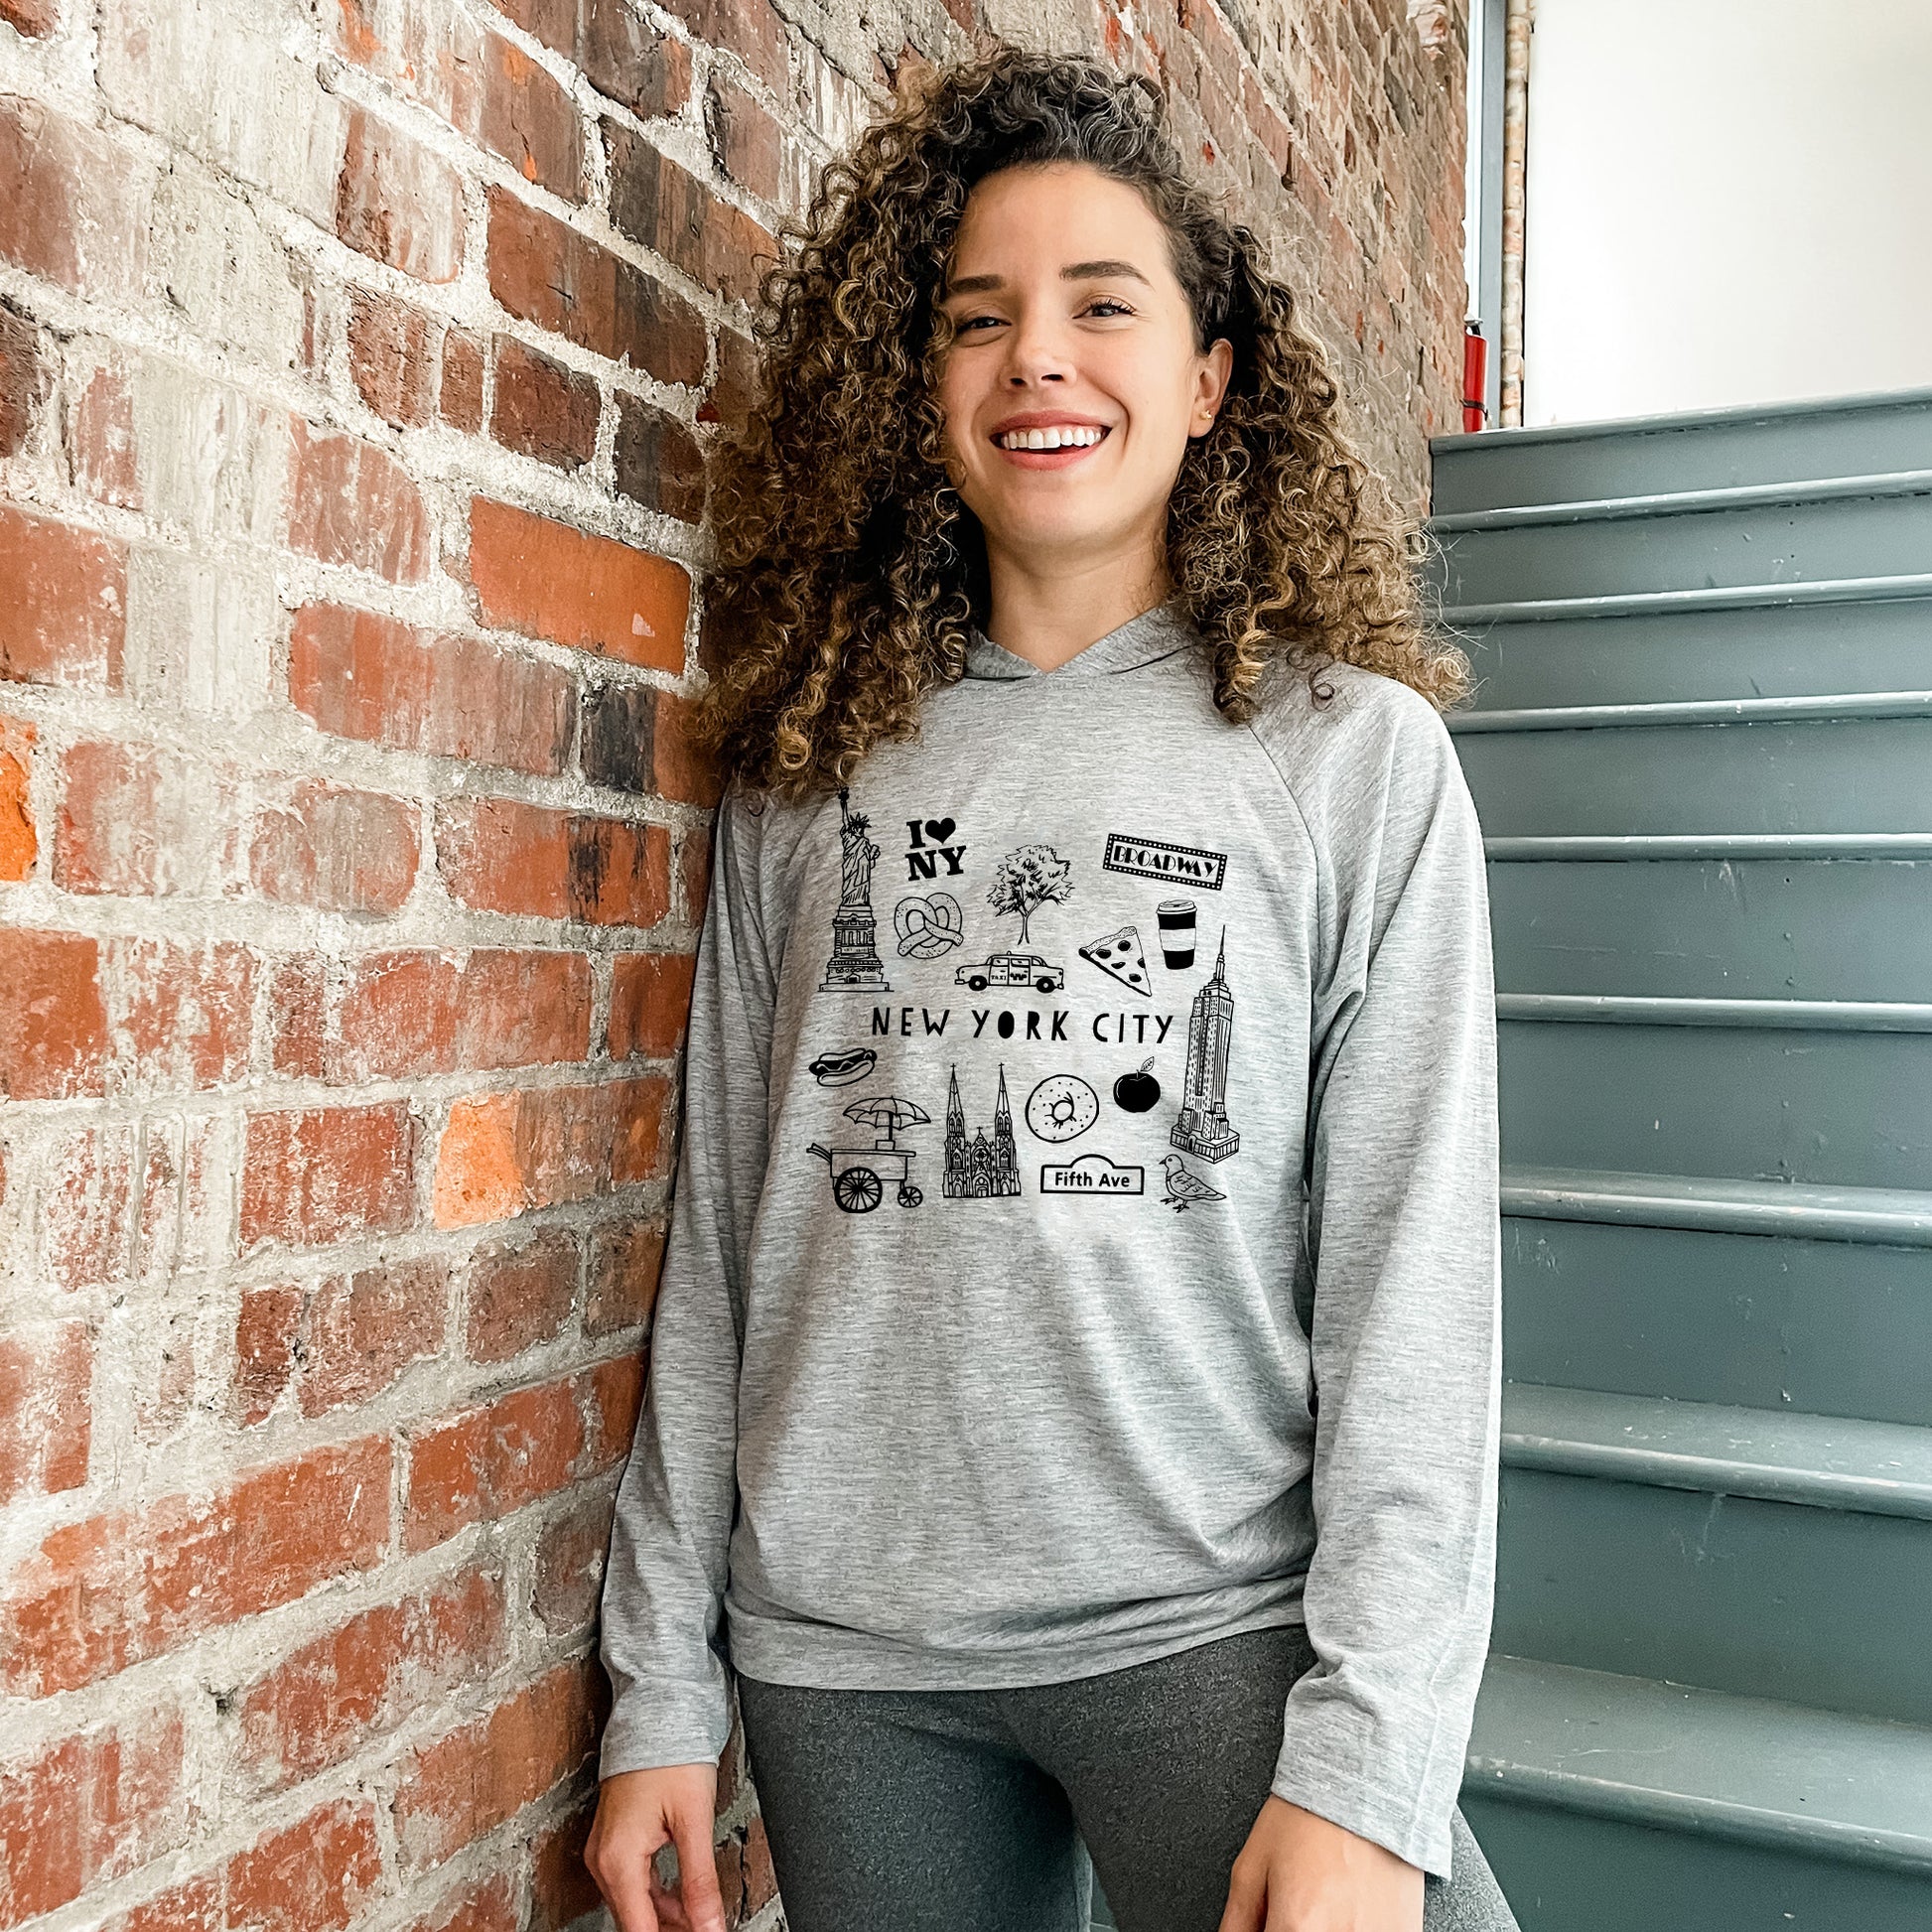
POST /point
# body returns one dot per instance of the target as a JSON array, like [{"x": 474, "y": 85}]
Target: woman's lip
[{"x": 1051, "y": 458}]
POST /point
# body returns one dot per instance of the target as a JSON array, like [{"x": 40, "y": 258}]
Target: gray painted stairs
[{"x": 1702, "y": 750}]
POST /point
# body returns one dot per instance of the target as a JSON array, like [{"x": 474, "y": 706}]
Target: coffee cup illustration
[{"x": 1176, "y": 919}]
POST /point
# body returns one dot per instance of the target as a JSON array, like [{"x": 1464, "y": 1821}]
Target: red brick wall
[{"x": 355, "y": 373}]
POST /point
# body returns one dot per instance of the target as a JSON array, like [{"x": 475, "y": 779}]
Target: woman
[{"x": 1088, "y": 1184}]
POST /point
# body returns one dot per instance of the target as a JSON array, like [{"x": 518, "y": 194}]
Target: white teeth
[{"x": 1065, "y": 437}]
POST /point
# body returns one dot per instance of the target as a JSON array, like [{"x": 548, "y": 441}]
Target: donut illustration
[{"x": 1061, "y": 1108}]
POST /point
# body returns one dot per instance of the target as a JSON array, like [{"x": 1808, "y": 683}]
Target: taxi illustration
[{"x": 1011, "y": 969}]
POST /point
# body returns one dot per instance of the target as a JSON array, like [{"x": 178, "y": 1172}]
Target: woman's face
[{"x": 1068, "y": 313}]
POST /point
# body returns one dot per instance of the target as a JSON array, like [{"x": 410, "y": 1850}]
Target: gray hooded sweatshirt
[{"x": 1084, "y": 1241}]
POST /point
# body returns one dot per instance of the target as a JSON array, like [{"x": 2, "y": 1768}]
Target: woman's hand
[
  {"x": 1299, "y": 1872},
  {"x": 638, "y": 1813}
]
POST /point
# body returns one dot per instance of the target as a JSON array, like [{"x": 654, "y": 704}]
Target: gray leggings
[{"x": 976, "y": 1811}]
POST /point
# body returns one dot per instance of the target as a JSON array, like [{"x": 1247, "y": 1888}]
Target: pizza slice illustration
[{"x": 1119, "y": 953}]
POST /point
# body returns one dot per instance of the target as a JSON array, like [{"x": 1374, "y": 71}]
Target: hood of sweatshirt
[{"x": 1156, "y": 632}]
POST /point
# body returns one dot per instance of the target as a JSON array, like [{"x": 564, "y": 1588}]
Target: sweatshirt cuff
[
  {"x": 1385, "y": 1779},
  {"x": 659, "y": 1724}
]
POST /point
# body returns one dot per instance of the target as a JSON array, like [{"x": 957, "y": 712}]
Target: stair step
[
  {"x": 1833, "y": 1785},
  {"x": 1791, "y": 1016},
  {"x": 1813, "y": 929},
  {"x": 1899, "y": 1217},
  {"x": 1654, "y": 603},
  {"x": 1815, "y": 708},
  {"x": 1837, "y": 1109},
  {"x": 1771, "y": 1321},
  {"x": 1817, "y": 436},
  {"x": 1827, "y": 1461},
  {"x": 1620, "y": 847},
  {"x": 1785, "y": 650},
  {"x": 1653, "y": 505}
]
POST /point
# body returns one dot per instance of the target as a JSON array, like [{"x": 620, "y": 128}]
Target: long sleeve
[
  {"x": 664, "y": 1587},
  {"x": 1403, "y": 1244}
]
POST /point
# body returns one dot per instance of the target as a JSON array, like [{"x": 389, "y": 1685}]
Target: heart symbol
[{"x": 938, "y": 830}]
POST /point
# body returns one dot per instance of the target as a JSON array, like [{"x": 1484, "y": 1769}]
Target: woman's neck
[{"x": 1048, "y": 620}]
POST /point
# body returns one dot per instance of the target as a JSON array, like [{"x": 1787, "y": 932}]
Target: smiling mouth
[{"x": 1067, "y": 449}]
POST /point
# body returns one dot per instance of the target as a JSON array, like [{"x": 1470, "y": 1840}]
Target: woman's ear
[{"x": 1211, "y": 385}]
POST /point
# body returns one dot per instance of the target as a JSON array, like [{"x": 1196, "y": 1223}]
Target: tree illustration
[{"x": 1026, "y": 879}]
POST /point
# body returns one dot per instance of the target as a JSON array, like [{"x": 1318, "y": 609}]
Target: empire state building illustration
[
  {"x": 854, "y": 964},
  {"x": 1202, "y": 1126},
  {"x": 979, "y": 1166}
]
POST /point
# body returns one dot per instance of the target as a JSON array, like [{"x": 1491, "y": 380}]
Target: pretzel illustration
[{"x": 929, "y": 926}]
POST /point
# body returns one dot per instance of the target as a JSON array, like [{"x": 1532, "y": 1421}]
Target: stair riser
[
  {"x": 1733, "y": 1593},
  {"x": 1848, "y": 1109},
  {"x": 1871, "y": 774},
  {"x": 1828, "y": 1327},
  {"x": 1495, "y": 471},
  {"x": 1570, "y": 1872},
  {"x": 1752, "y": 929},
  {"x": 1782, "y": 650},
  {"x": 1787, "y": 544}
]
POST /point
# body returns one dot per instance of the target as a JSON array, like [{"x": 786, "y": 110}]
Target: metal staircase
[{"x": 1701, "y": 752}]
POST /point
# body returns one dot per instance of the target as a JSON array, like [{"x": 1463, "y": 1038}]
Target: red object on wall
[{"x": 1476, "y": 356}]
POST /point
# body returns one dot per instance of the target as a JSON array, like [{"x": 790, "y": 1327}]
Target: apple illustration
[{"x": 1139, "y": 1090}]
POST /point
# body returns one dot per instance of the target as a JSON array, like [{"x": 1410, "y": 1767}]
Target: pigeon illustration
[{"x": 1184, "y": 1187}]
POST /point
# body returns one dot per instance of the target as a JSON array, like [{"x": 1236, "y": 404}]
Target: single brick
[
  {"x": 317, "y": 1175},
  {"x": 548, "y": 273},
  {"x": 520, "y": 1293},
  {"x": 661, "y": 204},
  {"x": 681, "y": 769},
  {"x": 621, "y": 53},
  {"x": 694, "y": 868},
  {"x": 101, "y": 448},
  {"x": 23, "y": 381},
  {"x": 480, "y": 1774},
  {"x": 399, "y": 201},
  {"x": 327, "y": 1699},
  {"x": 76, "y": 206},
  {"x": 46, "y": 1409},
  {"x": 749, "y": 29},
  {"x": 361, "y": 1331},
  {"x": 483, "y": 1464},
  {"x": 500, "y": 855},
  {"x": 614, "y": 1393},
  {"x": 297, "y": 999},
  {"x": 114, "y": 1590},
  {"x": 268, "y": 1334},
  {"x": 651, "y": 1001},
  {"x": 462, "y": 398},
  {"x": 744, "y": 137},
  {"x": 507, "y": 1153},
  {"x": 184, "y": 1013},
  {"x": 548, "y": 579},
  {"x": 370, "y": 678},
  {"x": 543, "y": 410},
  {"x": 617, "y": 748},
  {"x": 315, "y": 1876},
  {"x": 657, "y": 461},
  {"x": 19, "y": 844},
  {"x": 627, "y": 1258},
  {"x": 562, "y": 1889},
  {"x": 196, "y": 1904},
  {"x": 53, "y": 1023},
  {"x": 63, "y": 620},
  {"x": 736, "y": 388},
  {"x": 84, "y": 1227},
  {"x": 337, "y": 850},
  {"x": 145, "y": 819},
  {"x": 392, "y": 358},
  {"x": 31, "y": 18},
  {"x": 81, "y": 1812},
  {"x": 352, "y": 504},
  {"x": 570, "y": 1559},
  {"x": 526, "y": 116}
]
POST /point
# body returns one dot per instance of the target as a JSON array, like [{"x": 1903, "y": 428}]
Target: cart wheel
[
  {"x": 857, "y": 1190},
  {"x": 908, "y": 1195}
]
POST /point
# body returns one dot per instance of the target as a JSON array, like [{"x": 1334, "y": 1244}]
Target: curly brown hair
[{"x": 847, "y": 569}]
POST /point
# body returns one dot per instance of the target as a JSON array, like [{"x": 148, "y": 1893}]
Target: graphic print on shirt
[
  {"x": 1202, "y": 1126},
  {"x": 1092, "y": 1174},
  {"x": 1061, "y": 1108},
  {"x": 1022, "y": 881},
  {"x": 1174, "y": 865},
  {"x": 1119, "y": 954},
  {"x": 929, "y": 926},
  {"x": 854, "y": 965},
  {"x": 980, "y": 1167},
  {"x": 1184, "y": 1187},
  {"x": 1174, "y": 918},
  {"x": 842, "y": 1066},
  {"x": 860, "y": 1169},
  {"x": 1137, "y": 1092},
  {"x": 929, "y": 848}
]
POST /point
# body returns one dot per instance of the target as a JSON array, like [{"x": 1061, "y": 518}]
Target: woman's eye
[
  {"x": 971, "y": 322},
  {"x": 1108, "y": 302}
]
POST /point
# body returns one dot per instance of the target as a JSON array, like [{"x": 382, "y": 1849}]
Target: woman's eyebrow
[{"x": 1073, "y": 272}]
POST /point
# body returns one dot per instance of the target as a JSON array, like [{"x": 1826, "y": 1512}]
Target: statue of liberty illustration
[{"x": 854, "y": 965}]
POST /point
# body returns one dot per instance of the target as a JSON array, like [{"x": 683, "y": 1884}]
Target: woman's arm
[
  {"x": 1403, "y": 1242},
  {"x": 664, "y": 1591}
]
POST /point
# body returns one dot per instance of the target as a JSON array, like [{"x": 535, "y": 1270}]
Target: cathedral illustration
[
  {"x": 1203, "y": 1124},
  {"x": 980, "y": 1166}
]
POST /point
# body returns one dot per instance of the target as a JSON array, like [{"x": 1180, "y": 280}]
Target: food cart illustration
[{"x": 860, "y": 1174}]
